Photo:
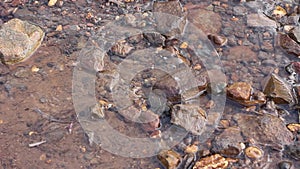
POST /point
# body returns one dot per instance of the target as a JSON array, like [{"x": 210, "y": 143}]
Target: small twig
[
  {"x": 49, "y": 117},
  {"x": 37, "y": 143}
]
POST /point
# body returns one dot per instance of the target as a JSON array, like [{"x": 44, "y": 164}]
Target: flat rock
[
  {"x": 19, "y": 40},
  {"x": 259, "y": 20},
  {"x": 189, "y": 116},
  {"x": 266, "y": 129},
  {"x": 241, "y": 53},
  {"x": 208, "y": 21},
  {"x": 239, "y": 91}
]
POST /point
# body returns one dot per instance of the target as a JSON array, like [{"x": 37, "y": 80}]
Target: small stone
[
  {"x": 169, "y": 158},
  {"x": 294, "y": 127},
  {"x": 43, "y": 157},
  {"x": 253, "y": 152},
  {"x": 285, "y": 165},
  {"x": 184, "y": 45},
  {"x": 259, "y": 20},
  {"x": 240, "y": 91},
  {"x": 59, "y": 28},
  {"x": 279, "y": 12},
  {"x": 218, "y": 40},
  {"x": 191, "y": 149},
  {"x": 52, "y": 2},
  {"x": 34, "y": 69},
  {"x": 212, "y": 162}
]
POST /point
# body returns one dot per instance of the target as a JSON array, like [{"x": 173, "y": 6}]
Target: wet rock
[
  {"x": 170, "y": 17},
  {"x": 208, "y": 21},
  {"x": 294, "y": 127},
  {"x": 212, "y": 162},
  {"x": 296, "y": 34},
  {"x": 239, "y": 10},
  {"x": 155, "y": 38},
  {"x": 260, "y": 20},
  {"x": 97, "y": 112},
  {"x": 189, "y": 116},
  {"x": 266, "y": 129},
  {"x": 289, "y": 45},
  {"x": 218, "y": 40},
  {"x": 19, "y": 40},
  {"x": 239, "y": 91},
  {"x": 241, "y": 53},
  {"x": 169, "y": 158},
  {"x": 279, "y": 90},
  {"x": 269, "y": 62},
  {"x": 150, "y": 121},
  {"x": 217, "y": 81},
  {"x": 285, "y": 165},
  {"x": 169, "y": 86},
  {"x": 293, "y": 151},
  {"x": 253, "y": 152},
  {"x": 228, "y": 142},
  {"x": 121, "y": 49}
]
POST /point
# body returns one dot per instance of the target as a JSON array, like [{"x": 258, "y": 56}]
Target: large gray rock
[{"x": 19, "y": 40}]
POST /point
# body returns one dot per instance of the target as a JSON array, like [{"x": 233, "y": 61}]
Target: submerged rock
[
  {"x": 289, "y": 45},
  {"x": 212, "y": 162},
  {"x": 266, "y": 129},
  {"x": 259, "y": 20},
  {"x": 208, "y": 21},
  {"x": 279, "y": 90},
  {"x": 228, "y": 142},
  {"x": 239, "y": 91},
  {"x": 170, "y": 17},
  {"x": 19, "y": 40},
  {"x": 189, "y": 116},
  {"x": 169, "y": 158}
]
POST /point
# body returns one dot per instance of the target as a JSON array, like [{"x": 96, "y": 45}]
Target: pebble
[
  {"x": 52, "y": 2},
  {"x": 215, "y": 161},
  {"x": 253, "y": 152},
  {"x": 294, "y": 127},
  {"x": 239, "y": 91},
  {"x": 285, "y": 165},
  {"x": 169, "y": 158}
]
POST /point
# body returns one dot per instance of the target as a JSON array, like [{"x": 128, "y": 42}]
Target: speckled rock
[{"x": 19, "y": 40}]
